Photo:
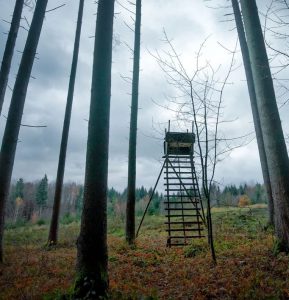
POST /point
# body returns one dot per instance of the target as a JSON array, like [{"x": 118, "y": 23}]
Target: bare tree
[
  {"x": 9, "y": 50},
  {"x": 10, "y": 137},
  {"x": 130, "y": 209},
  {"x": 92, "y": 273},
  {"x": 52, "y": 238},
  {"x": 275, "y": 147},
  {"x": 253, "y": 100},
  {"x": 199, "y": 99}
]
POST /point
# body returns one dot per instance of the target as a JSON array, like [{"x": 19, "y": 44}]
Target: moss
[{"x": 91, "y": 286}]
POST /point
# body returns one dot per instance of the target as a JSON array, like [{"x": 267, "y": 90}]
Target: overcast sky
[{"x": 187, "y": 23}]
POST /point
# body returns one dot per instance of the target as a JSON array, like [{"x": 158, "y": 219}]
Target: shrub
[
  {"x": 68, "y": 219},
  {"x": 195, "y": 249},
  {"x": 40, "y": 222},
  {"x": 13, "y": 225},
  {"x": 244, "y": 200}
]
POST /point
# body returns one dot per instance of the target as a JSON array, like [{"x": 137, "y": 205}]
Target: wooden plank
[
  {"x": 179, "y": 216},
  {"x": 184, "y": 222}
]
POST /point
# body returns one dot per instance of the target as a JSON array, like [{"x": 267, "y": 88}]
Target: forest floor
[{"x": 246, "y": 265}]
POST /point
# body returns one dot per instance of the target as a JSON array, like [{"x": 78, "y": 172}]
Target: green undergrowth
[{"x": 246, "y": 265}]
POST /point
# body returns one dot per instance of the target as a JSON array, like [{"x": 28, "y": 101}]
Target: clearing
[{"x": 246, "y": 269}]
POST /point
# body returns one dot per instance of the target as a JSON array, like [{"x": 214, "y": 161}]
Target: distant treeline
[
  {"x": 32, "y": 201},
  {"x": 231, "y": 195}
]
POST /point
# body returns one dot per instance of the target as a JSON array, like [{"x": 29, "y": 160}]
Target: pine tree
[
  {"x": 9, "y": 50},
  {"x": 42, "y": 194},
  {"x": 254, "y": 107},
  {"x": 130, "y": 209},
  {"x": 10, "y": 137},
  {"x": 52, "y": 238},
  {"x": 79, "y": 201},
  {"x": 274, "y": 142},
  {"x": 92, "y": 256},
  {"x": 19, "y": 189}
]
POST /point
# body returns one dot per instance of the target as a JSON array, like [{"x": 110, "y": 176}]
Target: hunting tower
[{"x": 183, "y": 205}]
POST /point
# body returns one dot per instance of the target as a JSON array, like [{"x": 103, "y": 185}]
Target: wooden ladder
[{"x": 184, "y": 211}]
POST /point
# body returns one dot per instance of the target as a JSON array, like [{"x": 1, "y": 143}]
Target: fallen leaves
[{"x": 246, "y": 268}]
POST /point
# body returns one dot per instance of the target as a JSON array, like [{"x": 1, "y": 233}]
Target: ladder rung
[
  {"x": 186, "y": 172},
  {"x": 179, "y": 183},
  {"x": 180, "y": 162},
  {"x": 180, "y": 216},
  {"x": 177, "y": 167},
  {"x": 180, "y": 177},
  {"x": 184, "y": 222},
  {"x": 189, "y": 200},
  {"x": 177, "y": 156}
]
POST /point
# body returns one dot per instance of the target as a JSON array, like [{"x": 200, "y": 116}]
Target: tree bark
[
  {"x": 10, "y": 137},
  {"x": 253, "y": 101},
  {"x": 275, "y": 147},
  {"x": 9, "y": 50},
  {"x": 92, "y": 273},
  {"x": 52, "y": 238},
  {"x": 130, "y": 209}
]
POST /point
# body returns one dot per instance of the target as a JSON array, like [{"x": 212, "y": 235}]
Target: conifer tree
[
  {"x": 11, "y": 132},
  {"x": 9, "y": 50},
  {"x": 274, "y": 142},
  {"x": 254, "y": 107},
  {"x": 42, "y": 194},
  {"x": 92, "y": 256},
  {"x": 19, "y": 188},
  {"x": 52, "y": 238},
  {"x": 130, "y": 209}
]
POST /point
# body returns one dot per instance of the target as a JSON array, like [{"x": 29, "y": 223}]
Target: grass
[{"x": 246, "y": 269}]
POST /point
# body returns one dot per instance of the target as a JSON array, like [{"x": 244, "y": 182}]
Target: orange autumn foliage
[
  {"x": 246, "y": 267},
  {"x": 244, "y": 200}
]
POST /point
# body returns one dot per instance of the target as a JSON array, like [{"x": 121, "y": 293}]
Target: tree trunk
[
  {"x": 9, "y": 49},
  {"x": 52, "y": 238},
  {"x": 275, "y": 147},
  {"x": 130, "y": 209},
  {"x": 253, "y": 100},
  {"x": 12, "y": 128},
  {"x": 92, "y": 273},
  {"x": 210, "y": 230}
]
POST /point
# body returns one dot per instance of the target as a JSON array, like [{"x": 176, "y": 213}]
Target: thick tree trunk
[
  {"x": 12, "y": 128},
  {"x": 9, "y": 49},
  {"x": 92, "y": 273},
  {"x": 130, "y": 209},
  {"x": 253, "y": 100},
  {"x": 275, "y": 147},
  {"x": 52, "y": 238}
]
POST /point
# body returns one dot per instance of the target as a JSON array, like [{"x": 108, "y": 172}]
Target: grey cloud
[{"x": 187, "y": 24}]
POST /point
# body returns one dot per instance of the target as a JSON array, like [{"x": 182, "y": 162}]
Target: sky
[{"x": 187, "y": 25}]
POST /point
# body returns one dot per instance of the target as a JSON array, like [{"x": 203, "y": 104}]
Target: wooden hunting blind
[
  {"x": 179, "y": 143},
  {"x": 183, "y": 205}
]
